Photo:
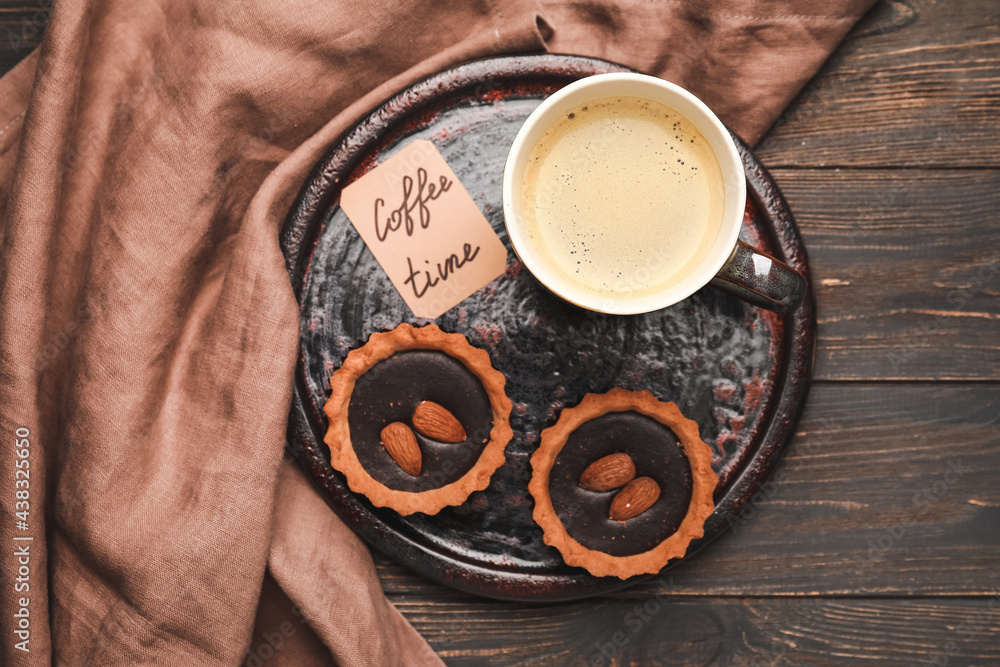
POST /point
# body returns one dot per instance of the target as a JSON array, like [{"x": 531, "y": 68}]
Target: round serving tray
[{"x": 741, "y": 372}]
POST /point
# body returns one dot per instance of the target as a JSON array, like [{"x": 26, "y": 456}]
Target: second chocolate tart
[{"x": 668, "y": 456}]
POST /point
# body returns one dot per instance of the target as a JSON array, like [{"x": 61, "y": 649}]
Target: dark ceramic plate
[{"x": 739, "y": 371}]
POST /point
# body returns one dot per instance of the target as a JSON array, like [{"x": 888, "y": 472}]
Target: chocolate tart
[
  {"x": 664, "y": 446},
  {"x": 383, "y": 382}
]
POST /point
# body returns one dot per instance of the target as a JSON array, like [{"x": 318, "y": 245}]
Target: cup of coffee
[{"x": 623, "y": 194}]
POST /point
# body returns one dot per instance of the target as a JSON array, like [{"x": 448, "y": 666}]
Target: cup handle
[{"x": 761, "y": 279}]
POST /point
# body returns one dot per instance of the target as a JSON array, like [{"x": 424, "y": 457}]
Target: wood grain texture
[
  {"x": 886, "y": 490},
  {"x": 916, "y": 83},
  {"x": 676, "y": 631},
  {"x": 906, "y": 270}
]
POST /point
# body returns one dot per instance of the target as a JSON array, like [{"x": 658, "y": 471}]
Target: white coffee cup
[{"x": 728, "y": 264}]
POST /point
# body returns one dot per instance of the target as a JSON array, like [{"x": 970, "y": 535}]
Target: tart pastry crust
[
  {"x": 699, "y": 456},
  {"x": 381, "y": 346}
]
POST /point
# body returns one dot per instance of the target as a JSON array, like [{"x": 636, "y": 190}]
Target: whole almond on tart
[
  {"x": 637, "y": 497},
  {"x": 399, "y": 441},
  {"x": 609, "y": 472},
  {"x": 437, "y": 423}
]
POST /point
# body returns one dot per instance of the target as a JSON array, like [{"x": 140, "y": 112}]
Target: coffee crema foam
[{"x": 623, "y": 196}]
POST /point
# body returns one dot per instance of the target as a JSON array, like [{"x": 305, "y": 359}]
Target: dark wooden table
[{"x": 879, "y": 542}]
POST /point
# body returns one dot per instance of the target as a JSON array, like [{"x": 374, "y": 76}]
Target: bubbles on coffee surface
[{"x": 623, "y": 196}]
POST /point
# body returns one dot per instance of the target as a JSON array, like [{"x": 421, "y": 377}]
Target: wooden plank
[
  {"x": 21, "y": 25},
  {"x": 887, "y": 489},
  {"x": 906, "y": 269},
  {"x": 672, "y": 631},
  {"x": 916, "y": 83}
]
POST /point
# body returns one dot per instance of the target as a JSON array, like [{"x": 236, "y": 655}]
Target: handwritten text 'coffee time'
[{"x": 415, "y": 199}]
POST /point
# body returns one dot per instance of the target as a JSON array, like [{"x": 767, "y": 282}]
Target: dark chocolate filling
[
  {"x": 391, "y": 390},
  {"x": 656, "y": 452}
]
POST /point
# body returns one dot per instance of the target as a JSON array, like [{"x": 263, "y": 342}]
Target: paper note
[{"x": 424, "y": 229}]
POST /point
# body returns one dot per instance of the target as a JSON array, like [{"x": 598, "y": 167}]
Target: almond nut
[
  {"x": 607, "y": 473},
  {"x": 435, "y": 422},
  {"x": 637, "y": 497},
  {"x": 399, "y": 441}
]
